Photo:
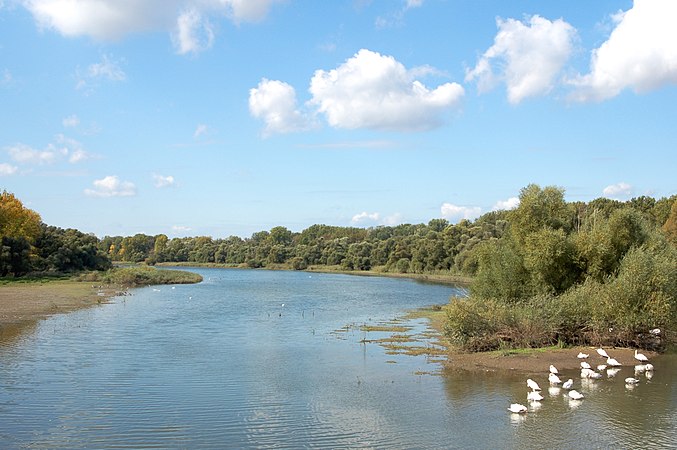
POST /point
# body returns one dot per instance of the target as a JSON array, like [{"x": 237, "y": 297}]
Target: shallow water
[{"x": 224, "y": 364}]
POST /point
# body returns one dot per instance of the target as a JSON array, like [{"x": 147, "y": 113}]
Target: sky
[{"x": 229, "y": 117}]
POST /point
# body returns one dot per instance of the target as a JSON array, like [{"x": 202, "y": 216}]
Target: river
[{"x": 264, "y": 359}]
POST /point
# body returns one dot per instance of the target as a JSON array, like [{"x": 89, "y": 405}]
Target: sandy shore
[{"x": 23, "y": 304}]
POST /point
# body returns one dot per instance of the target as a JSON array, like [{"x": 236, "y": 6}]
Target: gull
[
  {"x": 631, "y": 380},
  {"x": 641, "y": 357},
  {"x": 534, "y": 396},
  {"x": 585, "y": 365},
  {"x": 655, "y": 331},
  {"x": 517, "y": 408},
  {"x": 582, "y": 355},
  {"x": 533, "y": 385},
  {"x": 568, "y": 384},
  {"x": 553, "y": 369},
  {"x": 575, "y": 395},
  {"x": 554, "y": 379},
  {"x": 602, "y": 353},
  {"x": 613, "y": 362},
  {"x": 648, "y": 367},
  {"x": 601, "y": 367}
]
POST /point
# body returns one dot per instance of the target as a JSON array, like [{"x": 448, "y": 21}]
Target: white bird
[
  {"x": 585, "y": 372},
  {"x": 568, "y": 384},
  {"x": 612, "y": 372},
  {"x": 612, "y": 362},
  {"x": 585, "y": 365},
  {"x": 595, "y": 375},
  {"x": 631, "y": 380},
  {"x": 582, "y": 355},
  {"x": 648, "y": 367},
  {"x": 575, "y": 395},
  {"x": 655, "y": 331},
  {"x": 533, "y": 385},
  {"x": 602, "y": 353},
  {"x": 554, "y": 379},
  {"x": 517, "y": 408},
  {"x": 640, "y": 368},
  {"x": 553, "y": 369},
  {"x": 601, "y": 367},
  {"x": 641, "y": 357},
  {"x": 534, "y": 396}
]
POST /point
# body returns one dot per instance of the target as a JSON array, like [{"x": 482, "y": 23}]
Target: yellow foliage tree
[{"x": 17, "y": 221}]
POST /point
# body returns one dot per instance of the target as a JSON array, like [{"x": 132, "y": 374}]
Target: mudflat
[
  {"x": 22, "y": 304},
  {"x": 538, "y": 360}
]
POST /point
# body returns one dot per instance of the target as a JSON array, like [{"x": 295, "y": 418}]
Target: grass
[{"x": 142, "y": 276}]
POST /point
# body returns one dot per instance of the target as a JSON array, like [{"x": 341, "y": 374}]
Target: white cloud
[
  {"x": 114, "y": 19},
  {"x": 107, "y": 69},
  {"x": 505, "y": 205},
  {"x": 370, "y": 219},
  {"x": 640, "y": 53},
  {"x": 456, "y": 213},
  {"x": 7, "y": 169},
  {"x": 62, "y": 147},
  {"x": 275, "y": 103},
  {"x": 193, "y": 33},
  {"x": 618, "y": 191},
  {"x": 529, "y": 56},
  {"x": 181, "y": 229},
  {"x": 111, "y": 186},
  {"x": 25, "y": 154},
  {"x": 161, "y": 181},
  {"x": 71, "y": 121},
  {"x": 374, "y": 91},
  {"x": 200, "y": 130}
]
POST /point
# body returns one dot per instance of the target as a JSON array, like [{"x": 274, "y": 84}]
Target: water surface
[{"x": 261, "y": 359}]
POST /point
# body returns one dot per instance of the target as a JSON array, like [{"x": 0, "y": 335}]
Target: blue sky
[{"x": 227, "y": 117}]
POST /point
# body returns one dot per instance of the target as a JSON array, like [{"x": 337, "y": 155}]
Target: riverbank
[{"x": 22, "y": 304}]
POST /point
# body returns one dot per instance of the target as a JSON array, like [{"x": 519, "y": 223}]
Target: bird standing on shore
[
  {"x": 601, "y": 352},
  {"x": 582, "y": 355},
  {"x": 641, "y": 357},
  {"x": 553, "y": 369}
]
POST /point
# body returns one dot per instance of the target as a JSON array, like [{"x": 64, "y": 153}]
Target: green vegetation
[
  {"x": 143, "y": 276},
  {"x": 604, "y": 273},
  {"x": 28, "y": 246}
]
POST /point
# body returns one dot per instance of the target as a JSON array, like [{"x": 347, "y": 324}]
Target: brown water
[{"x": 223, "y": 364}]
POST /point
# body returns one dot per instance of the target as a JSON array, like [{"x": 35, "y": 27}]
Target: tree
[
  {"x": 539, "y": 208},
  {"x": 670, "y": 225},
  {"x": 19, "y": 228}
]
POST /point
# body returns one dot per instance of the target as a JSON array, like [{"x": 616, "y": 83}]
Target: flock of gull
[{"x": 612, "y": 367}]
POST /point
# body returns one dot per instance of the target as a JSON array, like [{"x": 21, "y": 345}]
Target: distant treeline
[{"x": 435, "y": 247}]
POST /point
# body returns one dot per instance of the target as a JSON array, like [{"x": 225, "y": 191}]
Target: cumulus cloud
[
  {"x": 186, "y": 20},
  {"x": 161, "y": 181},
  {"x": 275, "y": 103},
  {"x": 456, "y": 213},
  {"x": 640, "y": 53},
  {"x": 618, "y": 191},
  {"x": 111, "y": 186},
  {"x": 528, "y": 57},
  {"x": 375, "y": 91},
  {"x": 193, "y": 33},
  {"x": 365, "y": 218},
  {"x": 7, "y": 169},
  {"x": 505, "y": 205},
  {"x": 71, "y": 121}
]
